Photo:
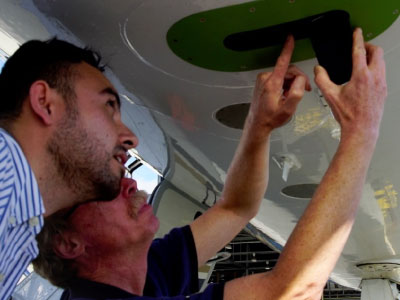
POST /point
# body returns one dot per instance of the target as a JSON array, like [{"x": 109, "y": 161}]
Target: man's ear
[
  {"x": 42, "y": 100},
  {"x": 68, "y": 245}
]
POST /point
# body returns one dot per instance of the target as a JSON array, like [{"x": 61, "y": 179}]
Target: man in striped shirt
[{"x": 61, "y": 141}]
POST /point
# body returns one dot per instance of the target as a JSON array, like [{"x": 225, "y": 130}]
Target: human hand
[
  {"x": 358, "y": 105},
  {"x": 277, "y": 93}
]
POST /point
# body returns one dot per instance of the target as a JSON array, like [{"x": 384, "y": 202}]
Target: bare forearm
[
  {"x": 319, "y": 237},
  {"x": 276, "y": 95},
  {"x": 275, "y": 98},
  {"x": 321, "y": 233},
  {"x": 247, "y": 178},
  {"x": 244, "y": 189}
]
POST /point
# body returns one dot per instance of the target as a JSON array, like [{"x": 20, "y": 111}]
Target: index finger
[
  {"x": 283, "y": 60},
  {"x": 359, "y": 52}
]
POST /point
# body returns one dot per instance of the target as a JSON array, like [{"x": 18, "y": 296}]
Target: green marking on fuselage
[{"x": 198, "y": 38}]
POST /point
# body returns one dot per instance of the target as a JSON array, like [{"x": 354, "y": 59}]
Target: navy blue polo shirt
[{"x": 172, "y": 274}]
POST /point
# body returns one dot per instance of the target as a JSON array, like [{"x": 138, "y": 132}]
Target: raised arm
[
  {"x": 318, "y": 239},
  {"x": 248, "y": 174}
]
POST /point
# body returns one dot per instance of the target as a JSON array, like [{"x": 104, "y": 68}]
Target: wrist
[
  {"x": 360, "y": 136},
  {"x": 358, "y": 143},
  {"x": 255, "y": 130}
]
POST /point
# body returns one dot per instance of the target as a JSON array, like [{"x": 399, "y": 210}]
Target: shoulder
[
  {"x": 5, "y": 149},
  {"x": 19, "y": 191},
  {"x": 10, "y": 153},
  {"x": 7, "y": 166},
  {"x": 12, "y": 158},
  {"x": 181, "y": 235},
  {"x": 214, "y": 291},
  {"x": 12, "y": 161}
]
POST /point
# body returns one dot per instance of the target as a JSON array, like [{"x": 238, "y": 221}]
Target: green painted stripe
[{"x": 198, "y": 38}]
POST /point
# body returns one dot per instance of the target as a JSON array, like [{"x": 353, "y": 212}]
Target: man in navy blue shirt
[
  {"x": 106, "y": 250},
  {"x": 108, "y": 234}
]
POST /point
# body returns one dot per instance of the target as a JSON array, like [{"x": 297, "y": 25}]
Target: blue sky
[
  {"x": 1, "y": 64},
  {"x": 146, "y": 179}
]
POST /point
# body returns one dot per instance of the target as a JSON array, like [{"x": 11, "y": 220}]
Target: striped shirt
[{"x": 21, "y": 209}]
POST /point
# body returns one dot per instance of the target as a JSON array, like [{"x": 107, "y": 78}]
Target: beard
[{"x": 81, "y": 161}]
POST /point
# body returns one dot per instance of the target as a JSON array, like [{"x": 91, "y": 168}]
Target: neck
[
  {"x": 56, "y": 194},
  {"x": 126, "y": 271},
  {"x": 31, "y": 138}
]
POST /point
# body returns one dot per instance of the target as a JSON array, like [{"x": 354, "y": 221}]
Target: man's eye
[{"x": 111, "y": 103}]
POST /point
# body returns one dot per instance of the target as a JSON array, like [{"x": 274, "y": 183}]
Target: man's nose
[
  {"x": 128, "y": 187},
  {"x": 127, "y": 138}
]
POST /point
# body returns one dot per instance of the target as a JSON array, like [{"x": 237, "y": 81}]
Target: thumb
[{"x": 323, "y": 81}]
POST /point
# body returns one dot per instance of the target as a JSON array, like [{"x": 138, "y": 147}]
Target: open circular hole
[
  {"x": 233, "y": 115},
  {"x": 300, "y": 191}
]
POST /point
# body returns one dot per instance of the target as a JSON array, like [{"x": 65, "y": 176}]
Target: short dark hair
[{"x": 51, "y": 61}]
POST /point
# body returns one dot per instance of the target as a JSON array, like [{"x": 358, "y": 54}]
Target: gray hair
[{"x": 48, "y": 264}]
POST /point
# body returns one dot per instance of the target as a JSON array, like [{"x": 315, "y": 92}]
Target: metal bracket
[
  {"x": 286, "y": 162},
  {"x": 379, "y": 289},
  {"x": 389, "y": 269}
]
